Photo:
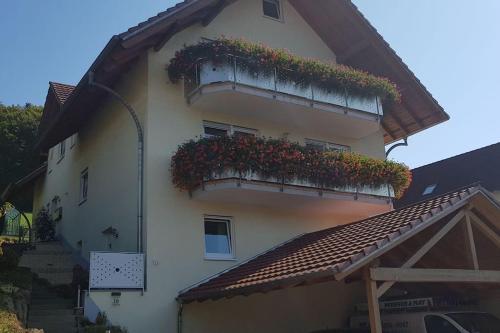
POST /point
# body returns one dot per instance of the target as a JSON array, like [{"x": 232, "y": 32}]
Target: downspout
[
  {"x": 401, "y": 144},
  {"x": 180, "y": 308},
  {"x": 140, "y": 153}
]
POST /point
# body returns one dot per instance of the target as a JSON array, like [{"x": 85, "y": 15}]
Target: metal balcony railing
[{"x": 235, "y": 70}]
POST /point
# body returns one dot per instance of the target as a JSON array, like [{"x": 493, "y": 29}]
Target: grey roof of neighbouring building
[{"x": 478, "y": 166}]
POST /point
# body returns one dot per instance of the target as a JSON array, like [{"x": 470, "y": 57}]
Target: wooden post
[{"x": 373, "y": 306}]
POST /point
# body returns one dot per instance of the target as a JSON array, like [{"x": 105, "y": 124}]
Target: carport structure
[{"x": 453, "y": 239}]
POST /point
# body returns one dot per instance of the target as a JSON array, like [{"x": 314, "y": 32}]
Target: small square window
[
  {"x": 429, "y": 189},
  {"x": 218, "y": 240},
  {"x": 272, "y": 9},
  {"x": 84, "y": 185}
]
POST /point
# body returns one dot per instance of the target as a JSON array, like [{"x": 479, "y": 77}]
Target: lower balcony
[
  {"x": 281, "y": 174},
  {"x": 294, "y": 195}
]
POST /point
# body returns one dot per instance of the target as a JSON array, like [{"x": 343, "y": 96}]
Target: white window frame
[
  {"x": 62, "y": 150},
  {"x": 280, "y": 10},
  {"x": 84, "y": 194},
  {"x": 230, "y": 129},
  {"x": 328, "y": 146},
  {"x": 230, "y": 228}
]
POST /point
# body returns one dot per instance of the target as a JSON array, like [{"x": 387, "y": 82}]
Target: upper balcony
[
  {"x": 281, "y": 174},
  {"x": 244, "y": 79}
]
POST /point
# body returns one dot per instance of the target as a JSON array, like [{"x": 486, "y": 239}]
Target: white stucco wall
[{"x": 106, "y": 145}]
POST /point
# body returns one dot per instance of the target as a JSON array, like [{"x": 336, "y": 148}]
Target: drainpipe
[
  {"x": 180, "y": 308},
  {"x": 401, "y": 144},
  {"x": 140, "y": 153}
]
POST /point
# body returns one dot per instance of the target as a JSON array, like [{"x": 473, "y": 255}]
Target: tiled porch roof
[{"x": 326, "y": 254}]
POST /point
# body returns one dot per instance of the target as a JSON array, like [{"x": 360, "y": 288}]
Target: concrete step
[
  {"x": 47, "y": 312},
  {"x": 54, "y": 304},
  {"x": 54, "y": 328},
  {"x": 57, "y": 278},
  {"x": 52, "y": 319},
  {"x": 52, "y": 269},
  {"x": 33, "y": 260}
]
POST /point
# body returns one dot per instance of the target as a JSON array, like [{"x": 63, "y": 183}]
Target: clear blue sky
[{"x": 453, "y": 46}]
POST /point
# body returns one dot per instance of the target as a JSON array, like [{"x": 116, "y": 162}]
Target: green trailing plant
[
  {"x": 281, "y": 160},
  {"x": 259, "y": 58},
  {"x": 44, "y": 226}
]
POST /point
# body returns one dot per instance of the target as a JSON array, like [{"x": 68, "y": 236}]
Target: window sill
[
  {"x": 280, "y": 20},
  {"x": 219, "y": 258}
]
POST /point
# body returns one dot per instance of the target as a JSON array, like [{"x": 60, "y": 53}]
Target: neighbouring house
[
  {"x": 246, "y": 146},
  {"x": 480, "y": 166}
]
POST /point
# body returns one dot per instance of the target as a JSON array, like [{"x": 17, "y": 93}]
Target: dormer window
[
  {"x": 272, "y": 9},
  {"x": 429, "y": 189}
]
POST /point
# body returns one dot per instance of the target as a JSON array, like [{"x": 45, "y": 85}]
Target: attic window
[
  {"x": 429, "y": 189},
  {"x": 272, "y": 9}
]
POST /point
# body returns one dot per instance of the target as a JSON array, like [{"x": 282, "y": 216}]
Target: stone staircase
[
  {"x": 53, "y": 265},
  {"x": 50, "y": 261},
  {"x": 51, "y": 312}
]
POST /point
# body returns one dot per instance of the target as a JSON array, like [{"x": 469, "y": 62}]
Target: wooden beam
[
  {"x": 485, "y": 229},
  {"x": 171, "y": 31},
  {"x": 373, "y": 305},
  {"x": 425, "y": 275},
  {"x": 353, "y": 50},
  {"x": 213, "y": 12},
  {"x": 471, "y": 242},
  {"x": 424, "y": 249}
]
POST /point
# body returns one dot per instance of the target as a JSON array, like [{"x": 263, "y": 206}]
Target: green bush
[
  {"x": 9, "y": 258},
  {"x": 44, "y": 226}
]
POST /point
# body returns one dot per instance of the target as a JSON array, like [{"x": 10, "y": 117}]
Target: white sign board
[{"x": 113, "y": 270}]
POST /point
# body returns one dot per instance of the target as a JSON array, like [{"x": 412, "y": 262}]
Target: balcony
[
  {"x": 249, "y": 80},
  {"x": 281, "y": 174},
  {"x": 229, "y": 88}
]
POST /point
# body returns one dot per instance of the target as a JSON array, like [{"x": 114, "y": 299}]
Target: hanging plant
[
  {"x": 291, "y": 68},
  {"x": 198, "y": 160}
]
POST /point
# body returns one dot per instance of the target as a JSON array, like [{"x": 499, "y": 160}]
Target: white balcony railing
[
  {"x": 235, "y": 72},
  {"x": 383, "y": 191}
]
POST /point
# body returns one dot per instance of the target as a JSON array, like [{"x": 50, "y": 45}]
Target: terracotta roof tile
[
  {"x": 324, "y": 252},
  {"x": 62, "y": 91}
]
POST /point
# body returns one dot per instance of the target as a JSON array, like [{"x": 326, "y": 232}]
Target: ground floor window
[{"x": 218, "y": 240}]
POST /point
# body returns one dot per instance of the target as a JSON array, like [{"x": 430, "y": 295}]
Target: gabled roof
[
  {"x": 61, "y": 91},
  {"x": 328, "y": 254},
  {"x": 353, "y": 40},
  {"x": 477, "y": 166},
  {"x": 57, "y": 95}
]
